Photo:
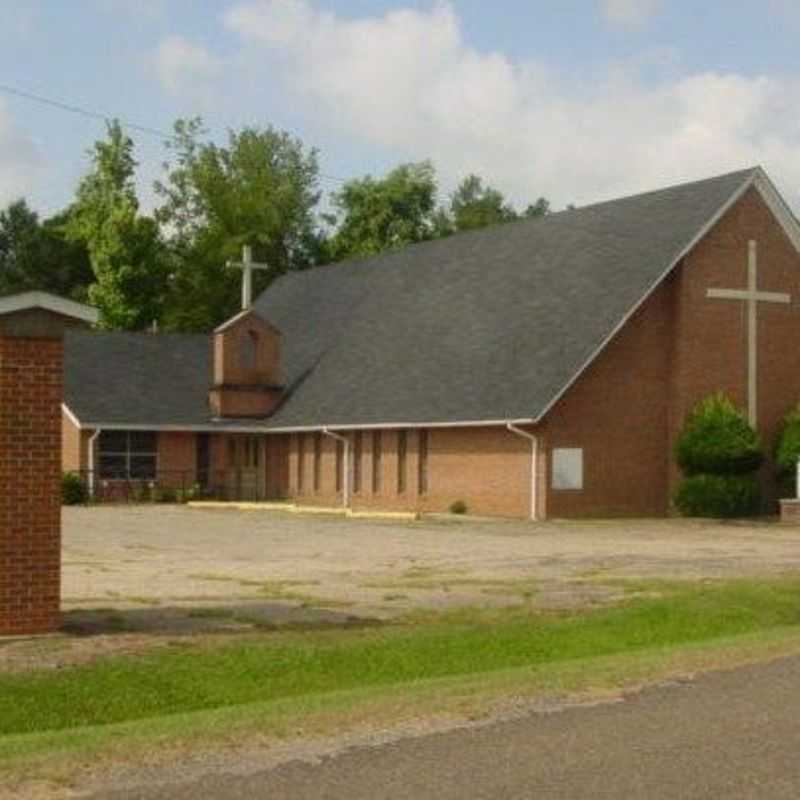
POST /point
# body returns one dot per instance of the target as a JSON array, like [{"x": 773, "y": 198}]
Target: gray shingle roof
[{"x": 487, "y": 325}]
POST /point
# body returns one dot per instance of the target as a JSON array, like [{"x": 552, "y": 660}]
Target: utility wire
[{"x": 92, "y": 114}]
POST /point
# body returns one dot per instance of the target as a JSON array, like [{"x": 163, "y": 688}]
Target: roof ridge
[{"x": 492, "y": 230}]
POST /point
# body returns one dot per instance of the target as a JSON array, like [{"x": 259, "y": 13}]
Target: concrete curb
[{"x": 293, "y": 508}]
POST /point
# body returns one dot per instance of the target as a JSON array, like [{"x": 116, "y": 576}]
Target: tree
[
  {"x": 475, "y": 205},
  {"x": 260, "y": 190},
  {"x": 382, "y": 214},
  {"x": 124, "y": 247},
  {"x": 36, "y": 255},
  {"x": 541, "y": 208}
]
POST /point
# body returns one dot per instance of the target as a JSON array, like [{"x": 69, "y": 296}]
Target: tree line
[{"x": 260, "y": 188}]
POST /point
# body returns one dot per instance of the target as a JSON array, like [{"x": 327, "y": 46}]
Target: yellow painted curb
[
  {"x": 293, "y": 508},
  {"x": 402, "y": 516},
  {"x": 240, "y": 506}
]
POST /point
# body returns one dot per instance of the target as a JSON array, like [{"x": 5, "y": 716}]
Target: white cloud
[
  {"x": 630, "y": 13},
  {"x": 20, "y": 161},
  {"x": 187, "y": 70},
  {"x": 408, "y": 82}
]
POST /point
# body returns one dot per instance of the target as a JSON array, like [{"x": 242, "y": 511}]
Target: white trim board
[
  {"x": 229, "y": 426},
  {"x": 49, "y": 302}
]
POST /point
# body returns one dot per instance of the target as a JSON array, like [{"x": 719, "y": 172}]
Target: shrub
[
  {"x": 718, "y": 496},
  {"x": 73, "y": 490},
  {"x": 717, "y": 439},
  {"x": 458, "y": 507},
  {"x": 787, "y": 451},
  {"x": 165, "y": 494}
]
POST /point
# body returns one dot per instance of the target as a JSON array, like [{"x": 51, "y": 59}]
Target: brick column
[{"x": 30, "y": 484}]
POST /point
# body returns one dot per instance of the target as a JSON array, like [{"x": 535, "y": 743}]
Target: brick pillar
[{"x": 30, "y": 484}]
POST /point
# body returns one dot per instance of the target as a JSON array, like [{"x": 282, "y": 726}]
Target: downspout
[
  {"x": 92, "y": 440},
  {"x": 534, "y": 452},
  {"x": 345, "y": 467}
]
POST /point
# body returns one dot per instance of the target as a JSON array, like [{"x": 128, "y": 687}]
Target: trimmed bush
[
  {"x": 73, "y": 490},
  {"x": 718, "y": 496},
  {"x": 717, "y": 439},
  {"x": 787, "y": 452},
  {"x": 458, "y": 507}
]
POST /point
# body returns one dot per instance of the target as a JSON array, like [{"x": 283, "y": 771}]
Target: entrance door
[{"x": 246, "y": 468}]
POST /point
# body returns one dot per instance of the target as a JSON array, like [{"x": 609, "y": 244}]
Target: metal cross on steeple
[
  {"x": 752, "y": 297},
  {"x": 247, "y": 265}
]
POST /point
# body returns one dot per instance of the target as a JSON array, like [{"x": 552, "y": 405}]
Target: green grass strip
[{"x": 283, "y": 666}]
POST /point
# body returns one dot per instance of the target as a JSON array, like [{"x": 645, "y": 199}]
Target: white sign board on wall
[{"x": 568, "y": 468}]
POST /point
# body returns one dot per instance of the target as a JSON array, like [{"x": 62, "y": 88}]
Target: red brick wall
[
  {"x": 617, "y": 413},
  {"x": 74, "y": 443},
  {"x": 176, "y": 459},
  {"x": 627, "y": 408},
  {"x": 487, "y": 468},
  {"x": 710, "y": 343},
  {"x": 30, "y": 480}
]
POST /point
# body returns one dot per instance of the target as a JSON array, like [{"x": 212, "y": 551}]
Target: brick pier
[
  {"x": 31, "y": 370},
  {"x": 30, "y": 488}
]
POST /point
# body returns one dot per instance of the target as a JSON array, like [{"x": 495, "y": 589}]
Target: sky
[{"x": 575, "y": 100}]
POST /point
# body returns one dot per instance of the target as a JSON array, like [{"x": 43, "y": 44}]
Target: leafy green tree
[
  {"x": 476, "y": 205},
  {"x": 377, "y": 214},
  {"x": 124, "y": 246},
  {"x": 36, "y": 255},
  {"x": 260, "y": 190},
  {"x": 541, "y": 208}
]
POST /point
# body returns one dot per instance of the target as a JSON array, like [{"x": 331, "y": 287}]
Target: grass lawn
[{"x": 272, "y": 683}]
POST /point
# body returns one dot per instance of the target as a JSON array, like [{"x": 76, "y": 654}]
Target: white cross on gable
[
  {"x": 247, "y": 265},
  {"x": 752, "y": 296}
]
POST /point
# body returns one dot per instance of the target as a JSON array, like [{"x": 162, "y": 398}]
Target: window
[
  {"x": 249, "y": 350},
  {"x": 301, "y": 461},
  {"x": 128, "y": 454},
  {"x": 339, "y": 465},
  {"x": 317, "y": 460},
  {"x": 377, "y": 462},
  {"x": 244, "y": 452},
  {"x": 568, "y": 468},
  {"x": 402, "y": 453},
  {"x": 357, "y": 450},
  {"x": 422, "y": 477}
]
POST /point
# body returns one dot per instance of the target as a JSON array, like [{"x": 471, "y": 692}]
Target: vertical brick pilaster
[{"x": 30, "y": 490}]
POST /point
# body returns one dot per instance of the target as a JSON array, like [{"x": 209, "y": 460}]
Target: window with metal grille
[
  {"x": 377, "y": 462},
  {"x": 402, "y": 454},
  {"x": 317, "y": 460},
  {"x": 127, "y": 454},
  {"x": 422, "y": 464},
  {"x": 357, "y": 452},
  {"x": 339, "y": 465},
  {"x": 301, "y": 461}
]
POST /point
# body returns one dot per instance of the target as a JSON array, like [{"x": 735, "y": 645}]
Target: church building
[{"x": 537, "y": 369}]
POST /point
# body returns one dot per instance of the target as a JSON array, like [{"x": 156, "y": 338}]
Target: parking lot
[{"x": 157, "y": 556}]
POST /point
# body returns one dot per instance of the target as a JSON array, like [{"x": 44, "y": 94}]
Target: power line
[{"x": 98, "y": 115}]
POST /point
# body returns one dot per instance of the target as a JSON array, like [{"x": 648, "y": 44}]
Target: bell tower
[{"x": 248, "y": 379}]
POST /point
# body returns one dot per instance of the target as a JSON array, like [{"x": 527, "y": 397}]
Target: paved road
[{"x": 727, "y": 735}]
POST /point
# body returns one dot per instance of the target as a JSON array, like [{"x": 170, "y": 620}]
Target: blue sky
[{"x": 578, "y": 100}]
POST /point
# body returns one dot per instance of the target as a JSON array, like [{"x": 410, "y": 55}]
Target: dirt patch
[{"x": 145, "y": 576}]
